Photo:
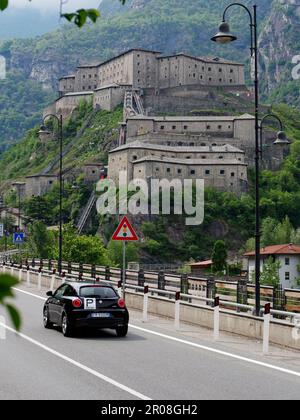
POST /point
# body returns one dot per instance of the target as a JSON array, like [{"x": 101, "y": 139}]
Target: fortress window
[
  {"x": 134, "y": 157},
  {"x": 196, "y": 66},
  {"x": 179, "y": 171},
  {"x": 168, "y": 170},
  {"x": 174, "y": 127},
  {"x": 194, "y": 75},
  {"x": 209, "y": 68},
  {"x": 90, "y": 76},
  {"x": 185, "y": 127},
  {"x": 188, "y": 157},
  {"x": 203, "y": 68},
  {"x": 203, "y": 157},
  {"x": 83, "y": 76},
  {"x": 232, "y": 174},
  {"x": 208, "y": 127},
  {"x": 214, "y": 144},
  {"x": 193, "y": 172},
  {"x": 222, "y": 172},
  {"x": 192, "y": 144},
  {"x": 162, "y": 127},
  {"x": 231, "y": 80},
  {"x": 219, "y": 127},
  {"x": 220, "y": 70},
  {"x": 209, "y": 79},
  {"x": 221, "y": 157},
  {"x": 220, "y": 80},
  {"x": 201, "y": 77},
  {"x": 203, "y": 144},
  {"x": 207, "y": 172},
  {"x": 231, "y": 70},
  {"x": 83, "y": 87},
  {"x": 157, "y": 169},
  {"x": 180, "y": 144}
]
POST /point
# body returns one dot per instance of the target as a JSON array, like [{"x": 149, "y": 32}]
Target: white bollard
[
  {"x": 2, "y": 328},
  {"x": 28, "y": 278},
  {"x": 12, "y": 270},
  {"x": 177, "y": 312},
  {"x": 145, "y": 306},
  {"x": 40, "y": 281},
  {"x": 217, "y": 319},
  {"x": 266, "y": 333},
  {"x": 52, "y": 282},
  {"x": 20, "y": 275}
]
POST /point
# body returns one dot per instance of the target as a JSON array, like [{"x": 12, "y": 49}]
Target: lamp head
[
  {"x": 282, "y": 139},
  {"x": 44, "y": 134},
  {"x": 224, "y": 36}
]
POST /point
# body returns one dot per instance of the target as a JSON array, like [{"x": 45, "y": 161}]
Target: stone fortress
[{"x": 217, "y": 149}]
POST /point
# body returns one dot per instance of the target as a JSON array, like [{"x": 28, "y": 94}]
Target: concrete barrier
[{"x": 281, "y": 332}]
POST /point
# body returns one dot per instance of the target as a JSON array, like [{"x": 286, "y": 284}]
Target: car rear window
[{"x": 98, "y": 292}]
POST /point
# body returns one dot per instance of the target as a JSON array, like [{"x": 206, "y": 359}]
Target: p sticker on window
[{"x": 89, "y": 303}]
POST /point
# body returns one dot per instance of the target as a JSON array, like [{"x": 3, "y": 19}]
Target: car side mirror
[{"x": 49, "y": 293}]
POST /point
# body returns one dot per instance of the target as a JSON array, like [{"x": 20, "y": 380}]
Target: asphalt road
[{"x": 42, "y": 364}]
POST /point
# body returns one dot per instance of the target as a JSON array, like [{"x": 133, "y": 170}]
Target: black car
[{"x": 86, "y": 305}]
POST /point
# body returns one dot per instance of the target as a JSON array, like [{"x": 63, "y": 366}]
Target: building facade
[
  {"x": 288, "y": 257},
  {"x": 151, "y": 73},
  {"x": 223, "y": 168}
]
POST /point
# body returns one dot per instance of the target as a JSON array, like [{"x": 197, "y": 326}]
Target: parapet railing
[{"x": 231, "y": 292}]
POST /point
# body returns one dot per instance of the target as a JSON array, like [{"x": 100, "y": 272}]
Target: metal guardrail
[
  {"x": 234, "y": 293},
  {"x": 185, "y": 299}
]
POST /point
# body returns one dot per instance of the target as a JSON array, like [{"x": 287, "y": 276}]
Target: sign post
[
  {"x": 124, "y": 233},
  {"x": 1, "y": 230}
]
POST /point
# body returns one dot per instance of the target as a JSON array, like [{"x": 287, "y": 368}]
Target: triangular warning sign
[{"x": 125, "y": 232}]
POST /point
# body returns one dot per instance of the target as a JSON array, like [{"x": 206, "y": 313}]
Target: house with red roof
[{"x": 289, "y": 258}]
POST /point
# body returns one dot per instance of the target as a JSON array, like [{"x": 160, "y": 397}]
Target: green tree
[
  {"x": 268, "y": 231},
  {"x": 283, "y": 232},
  {"x": 37, "y": 208},
  {"x": 115, "y": 252},
  {"x": 40, "y": 244},
  {"x": 219, "y": 256},
  {"x": 269, "y": 274},
  {"x": 81, "y": 248}
]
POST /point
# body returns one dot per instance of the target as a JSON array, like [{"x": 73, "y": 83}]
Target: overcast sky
[{"x": 47, "y": 5}]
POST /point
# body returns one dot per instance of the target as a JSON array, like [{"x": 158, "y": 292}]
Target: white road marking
[
  {"x": 199, "y": 346},
  {"x": 79, "y": 365},
  {"x": 30, "y": 294}
]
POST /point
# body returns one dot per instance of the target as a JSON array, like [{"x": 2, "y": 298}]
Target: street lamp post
[
  {"x": 225, "y": 36},
  {"x": 44, "y": 132}
]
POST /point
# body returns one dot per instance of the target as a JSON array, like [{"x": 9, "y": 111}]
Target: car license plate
[{"x": 101, "y": 315}]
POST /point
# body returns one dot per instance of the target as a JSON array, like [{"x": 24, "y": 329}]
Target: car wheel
[
  {"x": 122, "y": 331},
  {"x": 46, "y": 319},
  {"x": 67, "y": 330}
]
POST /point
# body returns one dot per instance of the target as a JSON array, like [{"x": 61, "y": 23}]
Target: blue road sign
[{"x": 19, "y": 237}]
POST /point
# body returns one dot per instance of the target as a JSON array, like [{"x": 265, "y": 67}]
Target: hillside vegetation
[{"x": 227, "y": 216}]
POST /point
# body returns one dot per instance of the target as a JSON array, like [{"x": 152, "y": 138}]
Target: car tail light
[
  {"x": 76, "y": 303},
  {"x": 121, "y": 303}
]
